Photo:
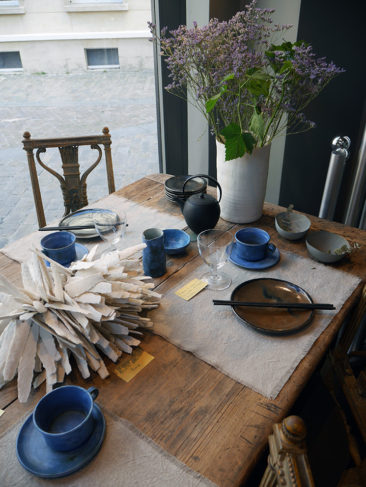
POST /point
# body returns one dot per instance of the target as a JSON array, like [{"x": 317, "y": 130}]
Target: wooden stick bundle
[{"x": 92, "y": 307}]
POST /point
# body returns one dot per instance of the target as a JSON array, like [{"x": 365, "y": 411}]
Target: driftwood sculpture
[{"x": 92, "y": 307}]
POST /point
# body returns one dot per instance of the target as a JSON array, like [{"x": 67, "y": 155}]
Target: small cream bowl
[{"x": 292, "y": 226}]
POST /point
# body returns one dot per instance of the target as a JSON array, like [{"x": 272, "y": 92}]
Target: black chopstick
[
  {"x": 274, "y": 305},
  {"x": 75, "y": 227}
]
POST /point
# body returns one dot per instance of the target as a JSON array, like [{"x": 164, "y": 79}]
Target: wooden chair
[
  {"x": 72, "y": 184},
  {"x": 288, "y": 465}
]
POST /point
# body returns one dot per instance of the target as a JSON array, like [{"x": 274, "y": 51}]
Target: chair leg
[{"x": 36, "y": 190}]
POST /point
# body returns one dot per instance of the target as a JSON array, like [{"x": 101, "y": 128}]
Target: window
[
  {"x": 10, "y": 60},
  {"x": 11, "y": 7},
  {"x": 102, "y": 58},
  {"x": 94, "y": 5}
]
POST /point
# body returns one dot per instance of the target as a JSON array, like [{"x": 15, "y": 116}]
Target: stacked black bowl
[{"x": 174, "y": 188}]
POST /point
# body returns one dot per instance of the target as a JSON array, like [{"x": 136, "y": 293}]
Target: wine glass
[
  {"x": 111, "y": 227},
  {"x": 215, "y": 247}
]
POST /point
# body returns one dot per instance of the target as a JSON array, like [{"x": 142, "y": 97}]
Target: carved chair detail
[{"x": 73, "y": 186}]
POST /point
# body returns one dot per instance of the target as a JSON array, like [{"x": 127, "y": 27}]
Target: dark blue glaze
[
  {"x": 59, "y": 246},
  {"x": 252, "y": 243},
  {"x": 38, "y": 458},
  {"x": 270, "y": 259},
  {"x": 80, "y": 251},
  {"x": 153, "y": 256},
  {"x": 64, "y": 417},
  {"x": 175, "y": 241}
]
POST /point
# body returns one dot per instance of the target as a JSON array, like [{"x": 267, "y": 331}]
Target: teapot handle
[{"x": 207, "y": 177}]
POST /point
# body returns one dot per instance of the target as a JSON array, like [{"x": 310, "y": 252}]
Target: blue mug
[
  {"x": 59, "y": 246},
  {"x": 253, "y": 244},
  {"x": 64, "y": 417},
  {"x": 153, "y": 255}
]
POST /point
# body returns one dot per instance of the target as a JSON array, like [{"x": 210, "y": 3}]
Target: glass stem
[{"x": 214, "y": 273}]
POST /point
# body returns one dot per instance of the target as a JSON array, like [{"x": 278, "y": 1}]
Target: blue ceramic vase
[{"x": 153, "y": 255}]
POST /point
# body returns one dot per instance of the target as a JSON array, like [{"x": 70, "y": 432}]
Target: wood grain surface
[{"x": 215, "y": 425}]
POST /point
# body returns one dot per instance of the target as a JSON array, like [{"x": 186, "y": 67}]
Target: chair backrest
[
  {"x": 72, "y": 184},
  {"x": 288, "y": 465}
]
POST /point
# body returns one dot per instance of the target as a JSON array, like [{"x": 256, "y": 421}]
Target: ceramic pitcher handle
[
  {"x": 93, "y": 391},
  {"x": 207, "y": 177}
]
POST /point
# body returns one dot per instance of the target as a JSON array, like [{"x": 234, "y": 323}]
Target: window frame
[
  {"x": 11, "y": 70},
  {"x": 101, "y": 66},
  {"x": 95, "y": 5},
  {"x": 11, "y": 7}
]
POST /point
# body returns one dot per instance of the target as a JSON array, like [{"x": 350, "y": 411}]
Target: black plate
[
  {"x": 272, "y": 321},
  {"x": 174, "y": 185}
]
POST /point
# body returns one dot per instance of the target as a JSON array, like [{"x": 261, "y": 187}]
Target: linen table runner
[
  {"x": 214, "y": 334},
  {"x": 139, "y": 218},
  {"x": 126, "y": 458}
]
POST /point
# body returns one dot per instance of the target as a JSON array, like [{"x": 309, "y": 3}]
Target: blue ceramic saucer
[
  {"x": 39, "y": 459},
  {"x": 80, "y": 250},
  {"x": 270, "y": 260}
]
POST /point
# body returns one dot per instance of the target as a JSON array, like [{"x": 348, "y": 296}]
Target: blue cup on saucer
[
  {"x": 59, "y": 246},
  {"x": 252, "y": 244},
  {"x": 64, "y": 417}
]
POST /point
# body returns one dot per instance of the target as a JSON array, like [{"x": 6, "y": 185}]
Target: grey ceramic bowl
[
  {"x": 175, "y": 241},
  {"x": 326, "y": 246},
  {"x": 292, "y": 226}
]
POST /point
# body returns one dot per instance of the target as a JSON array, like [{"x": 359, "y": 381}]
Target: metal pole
[
  {"x": 358, "y": 187},
  {"x": 338, "y": 157}
]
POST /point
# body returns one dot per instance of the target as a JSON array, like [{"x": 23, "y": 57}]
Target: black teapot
[{"x": 201, "y": 211}]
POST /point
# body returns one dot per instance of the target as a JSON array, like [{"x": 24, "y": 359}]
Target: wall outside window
[{"x": 53, "y": 39}]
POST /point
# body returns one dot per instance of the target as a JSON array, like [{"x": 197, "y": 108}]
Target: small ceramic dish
[
  {"x": 175, "y": 241},
  {"x": 292, "y": 226},
  {"x": 327, "y": 247}
]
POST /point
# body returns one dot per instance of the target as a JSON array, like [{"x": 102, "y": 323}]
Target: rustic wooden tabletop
[{"x": 210, "y": 422}]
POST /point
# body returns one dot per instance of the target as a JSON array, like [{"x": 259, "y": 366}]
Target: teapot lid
[{"x": 202, "y": 199}]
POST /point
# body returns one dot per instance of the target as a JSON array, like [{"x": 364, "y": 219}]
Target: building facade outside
[{"x": 68, "y": 36}]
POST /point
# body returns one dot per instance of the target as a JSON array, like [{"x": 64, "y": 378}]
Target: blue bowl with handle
[{"x": 175, "y": 241}]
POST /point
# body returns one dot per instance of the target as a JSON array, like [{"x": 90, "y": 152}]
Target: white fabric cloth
[
  {"x": 139, "y": 218},
  {"x": 127, "y": 458},
  {"x": 214, "y": 334}
]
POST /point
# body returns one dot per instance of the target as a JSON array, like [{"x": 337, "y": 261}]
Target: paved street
[{"x": 70, "y": 105}]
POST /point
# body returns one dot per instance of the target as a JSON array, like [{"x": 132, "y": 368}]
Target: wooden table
[{"x": 213, "y": 424}]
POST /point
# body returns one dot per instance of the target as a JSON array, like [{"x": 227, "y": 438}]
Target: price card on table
[
  {"x": 191, "y": 289},
  {"x": 130, "y": 366}
]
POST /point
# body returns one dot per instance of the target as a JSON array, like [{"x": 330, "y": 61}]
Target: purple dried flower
[{"x": 266, "y": 83}]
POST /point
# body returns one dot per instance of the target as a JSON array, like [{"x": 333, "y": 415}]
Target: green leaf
[
  {"x": 286, "y": 66},
  {"x": 256, "y": 124},
  {"x": 258, "y": 86},
  {"x": 238, "y": 144},
  {"x": 227, "y": 77},
  {"x": 249, "y": 142},
  {"x": 231, "y": 130},
  {"x": 234, "y": 147},
  {"x": 211, "y": 102}
]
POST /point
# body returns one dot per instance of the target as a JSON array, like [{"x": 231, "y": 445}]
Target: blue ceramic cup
[
  {"x": 64, "y": 417},
  {"x": 59, "y": 246},
  {"x": 253, "y": 244},
  {"x": 153, "y": 255}
]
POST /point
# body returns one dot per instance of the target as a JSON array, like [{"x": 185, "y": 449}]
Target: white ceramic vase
[{"x": 243, "y": 182}]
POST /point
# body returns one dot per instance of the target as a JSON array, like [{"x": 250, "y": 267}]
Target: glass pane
[
  {"x": 102, "y": 57},
  {"x": 10, "y": 60}
]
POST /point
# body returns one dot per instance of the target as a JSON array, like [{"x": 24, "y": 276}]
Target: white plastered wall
[{"x": 53, "y": 40}]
